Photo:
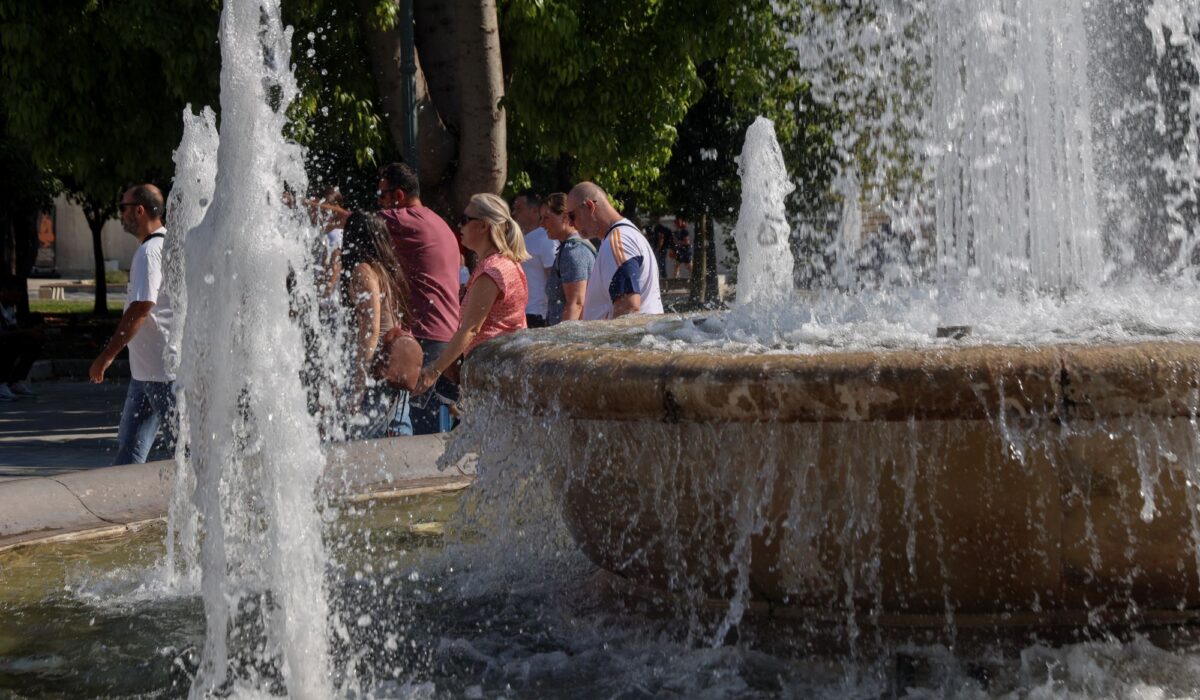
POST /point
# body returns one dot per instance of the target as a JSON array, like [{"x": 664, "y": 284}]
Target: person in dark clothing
[
  {"x": 682, "y": 247},
  {"x": 19, "y": 347},
  {"x": 663, "y": 241}
]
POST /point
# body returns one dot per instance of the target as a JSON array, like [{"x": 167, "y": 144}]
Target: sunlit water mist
[
  {"x": 252, "y": 445},
  {"x": 1025, "y": 169}
]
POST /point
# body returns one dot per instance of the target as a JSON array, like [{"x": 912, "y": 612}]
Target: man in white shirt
[
  {"x": 150, "y": 401},
  {"x": 625, "y": 277},
  {"x": 527, "y": 211}
]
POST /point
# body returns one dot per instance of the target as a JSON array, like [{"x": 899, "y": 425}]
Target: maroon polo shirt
[{"x": 428, "y": 253}]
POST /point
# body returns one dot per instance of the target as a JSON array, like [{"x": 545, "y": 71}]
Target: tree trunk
[
  {"x": 435, "y": 143},
  {"x": 712, "y": 286},
  {"x": 461, "y": 129},
  {"x": 96, "y": 218},
  {"x": 697, "y": 284},
  {"x": 25, "y": 251}
]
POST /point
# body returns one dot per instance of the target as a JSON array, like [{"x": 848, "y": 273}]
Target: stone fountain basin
[{"x": 1036, "y": 484}]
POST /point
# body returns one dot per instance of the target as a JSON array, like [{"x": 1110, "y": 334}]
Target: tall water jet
[
  {"x": 191, "y": 193},
  {"x": 253, "y": 446},
  {"x": 762, "y": 233}
]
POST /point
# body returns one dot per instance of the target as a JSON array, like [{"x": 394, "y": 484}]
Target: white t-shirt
[
  {"x": 333, "y": 240},
  {"x": 542, "y": 250},
  {"x": 622, "y": 243},
  {"x": 146, "y": 348}
]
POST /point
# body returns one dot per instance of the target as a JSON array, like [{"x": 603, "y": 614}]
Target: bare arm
[
  {"x": 368, "y": 310},
  {"x": 333, "y": 272},
  {"x": 131, "y": 321},
  {"x": 628, "y": 304},
  {"x": 475, "y": 309},
  {"x": 574, "y": 293}
]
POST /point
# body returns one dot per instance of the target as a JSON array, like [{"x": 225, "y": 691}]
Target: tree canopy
[{"x": 648, "y": 97}]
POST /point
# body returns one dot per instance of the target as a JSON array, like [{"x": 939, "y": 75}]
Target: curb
[
  {"x": 47, "y": 370},
  {"x": 114, "y": 498}
]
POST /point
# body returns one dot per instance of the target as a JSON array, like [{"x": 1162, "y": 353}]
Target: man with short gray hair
[
  {"x": 150, "y": 400},
  {"x": 624, "y": 279}
]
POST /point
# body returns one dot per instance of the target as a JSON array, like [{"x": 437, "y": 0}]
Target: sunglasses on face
[
  {"x": 571, "y": 213},
  {"x": 467, "y": 218}
]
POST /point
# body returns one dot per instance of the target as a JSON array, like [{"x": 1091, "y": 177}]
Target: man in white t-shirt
[
  {"x": 625, "y": 277},
  {"x": 150, "y": 401},
  {"x": 527, "y": 211}
]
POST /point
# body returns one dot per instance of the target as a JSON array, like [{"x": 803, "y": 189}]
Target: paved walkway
[{"x": 70, "y": 425}]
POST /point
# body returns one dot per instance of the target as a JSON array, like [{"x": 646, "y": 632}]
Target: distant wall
[{"x": 73, "y": 244}]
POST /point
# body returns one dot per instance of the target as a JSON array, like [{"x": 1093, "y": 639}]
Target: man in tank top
[{"x": 150, "y": 399}]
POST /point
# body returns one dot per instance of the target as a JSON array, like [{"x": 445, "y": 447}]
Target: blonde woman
[{"x": 497, "y": 291}]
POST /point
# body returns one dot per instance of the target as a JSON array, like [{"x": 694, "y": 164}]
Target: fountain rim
[
  {"x": 113, "y": 500},
  {"x": 579, "y": 380}
]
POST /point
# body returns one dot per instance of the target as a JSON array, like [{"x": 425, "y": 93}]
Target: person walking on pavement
[
  {"x": 19, "y": 347},
  {"x": 150, "y": 400},
  {"x": 624, "y": 279},
  {"x": 527, "y": 212},
  {"x": 566, "y": 286}
]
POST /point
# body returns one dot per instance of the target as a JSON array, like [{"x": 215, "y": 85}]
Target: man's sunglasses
[{"x": 571, "y": 212}]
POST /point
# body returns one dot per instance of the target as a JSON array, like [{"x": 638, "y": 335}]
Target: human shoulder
[
  {"x": 576, "y": 260},
  {"x": 575, "y": 248},
  {"x": 364, "y": 277}
]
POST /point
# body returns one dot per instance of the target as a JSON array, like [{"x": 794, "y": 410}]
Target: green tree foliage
[
  {"x": 94, "y": 90},
  {"x": 652, "y": 97},
  {"x": 627, "y": 92},
  {"x": 337, "y": 114},
  {"x": 603, "y": 84}
]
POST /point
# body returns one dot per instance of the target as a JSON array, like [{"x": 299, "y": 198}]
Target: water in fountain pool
[{"x": 425, "y": 618}]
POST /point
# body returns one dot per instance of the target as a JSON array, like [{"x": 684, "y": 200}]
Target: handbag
[{"x": 400, "y": 359}]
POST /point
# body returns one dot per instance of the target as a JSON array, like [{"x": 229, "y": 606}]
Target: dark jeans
[
  {"x": 532, "y": 321},
  {"x": 19, "y": 349},
  {"x": 429, "y": 412}
]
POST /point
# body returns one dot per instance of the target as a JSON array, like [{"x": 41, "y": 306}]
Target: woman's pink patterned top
[{"x": 508, "y": 312}]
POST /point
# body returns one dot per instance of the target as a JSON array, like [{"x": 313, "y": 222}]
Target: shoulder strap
[
  {"x": 152, "y": 237},
  {"x": 561, "y": 248},
  {"x": 588, "y": 243}
]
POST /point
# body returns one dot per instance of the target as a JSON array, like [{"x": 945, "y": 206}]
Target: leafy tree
[
  {"x": 758, "y": 75},
  {"x": 101, "y": 119},
  {"x": 25, "y": 191}
]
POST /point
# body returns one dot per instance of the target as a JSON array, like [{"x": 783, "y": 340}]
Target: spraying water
[
  {"x": 191, "y": 193},
  {"x": 253, "y": 447},
  {"x": 762, "y": 233}
]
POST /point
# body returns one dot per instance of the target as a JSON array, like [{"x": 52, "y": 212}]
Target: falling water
[
  {"x": 990, "y": 128},
  {"x": 253, "y": 447},
  {"x": 191, "y": 193}
]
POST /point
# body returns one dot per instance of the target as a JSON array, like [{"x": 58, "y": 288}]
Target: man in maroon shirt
[{"x": 429, "y": 256}]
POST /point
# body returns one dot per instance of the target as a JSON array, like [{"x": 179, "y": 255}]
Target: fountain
[
  {"x": 814, "y": 495},
  {"x": 833, "y": 457}
]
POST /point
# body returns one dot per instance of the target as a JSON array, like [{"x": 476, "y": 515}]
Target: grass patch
[
  {"x": 68, "y": 306},
  {"x": 116, "y": 277}
]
